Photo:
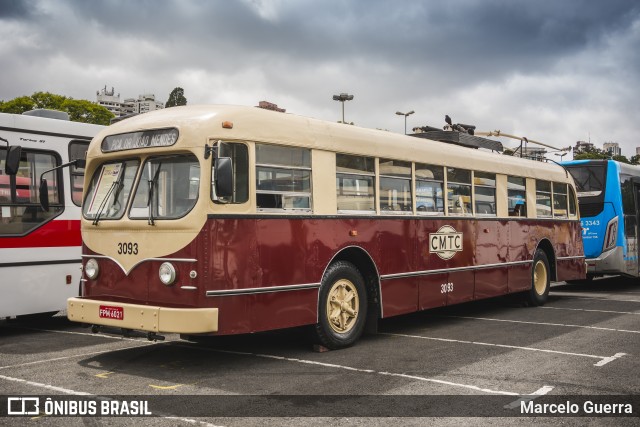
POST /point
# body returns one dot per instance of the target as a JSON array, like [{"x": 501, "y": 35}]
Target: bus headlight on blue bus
[
  {"x": 91, "y": 269},
  {"x": 611, "y": 238},
  {"x": 167, "y": 273}
]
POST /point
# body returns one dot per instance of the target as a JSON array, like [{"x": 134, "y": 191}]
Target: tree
[
  {"x": 176, "y": 98},
  {"x": 18, "y": 105},
  {"x": 79, "y": 110},
  {"x": 84, "y": 111},
  {"x": 635, "y": 160},
  {"x": 621, "y": 159}
]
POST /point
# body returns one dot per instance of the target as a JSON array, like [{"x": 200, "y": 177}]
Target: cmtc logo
[{"x": 445, "y": 242}]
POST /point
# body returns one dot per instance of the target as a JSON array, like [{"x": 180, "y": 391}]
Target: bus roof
[
  {"x": 46, "y": 126},
  {"x": 197, "y": 124}
]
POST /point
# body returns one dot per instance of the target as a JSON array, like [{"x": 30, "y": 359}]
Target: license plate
[{"x": 111, "y": 312}]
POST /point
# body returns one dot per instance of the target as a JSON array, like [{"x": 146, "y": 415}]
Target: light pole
[
  {"x": 343, "y": 97},
  {"x": 405, "y": 118},
  {"x": 561, "y": 155}
]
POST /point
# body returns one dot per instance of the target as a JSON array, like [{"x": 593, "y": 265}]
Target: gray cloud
[{"x": 554, "y": 70}]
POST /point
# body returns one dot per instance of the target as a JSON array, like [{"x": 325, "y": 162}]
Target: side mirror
[
  {"x": 80, "y": 163},
  {"x": 224, "y": 177},
  {"x": 44, "y": 194},
  {"x": 13, "y": 160}
]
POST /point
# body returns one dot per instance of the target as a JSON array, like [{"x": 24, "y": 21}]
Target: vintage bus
[
  {"x": 609, "y": 201},
  {"x": 40, "y": 251},
  {"x": 229, "y": 220}
]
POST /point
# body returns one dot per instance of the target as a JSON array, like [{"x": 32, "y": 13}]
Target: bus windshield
[
  {"x": 166, "y": 189},
  {"x": 590, "y": 178}
]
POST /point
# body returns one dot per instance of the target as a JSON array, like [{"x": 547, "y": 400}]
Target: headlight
[
  {"x": 91, "y": 269},
  {"x": 167, "y": 273}
]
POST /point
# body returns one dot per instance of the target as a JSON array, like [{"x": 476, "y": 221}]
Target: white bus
[{"x": 39, "y": 250}]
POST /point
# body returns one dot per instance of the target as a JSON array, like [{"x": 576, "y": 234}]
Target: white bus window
[
  {"x": 77, "y": 150},
  {"x": 484, "y": 184},
  {"x": 395, "y": 186},
  {"x": 429, "y": 189},
  {"x": 517, "y": 196},
  {"x": 543, "y": 199},
  {"x": 355, "y": 183},
  {"x": 20, "y": 210},
  {"x": 459, "y": 192},
  {"x": 283, "y": 178}
]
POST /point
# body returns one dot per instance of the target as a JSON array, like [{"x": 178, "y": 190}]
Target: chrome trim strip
[
  {"x": 139, "y": 262},
  {"x": 562, "y": 258},
  {"x": 253, "y": 291},
  {"x": 448, "y": 270},
  {"x": 188, "y": 288}
]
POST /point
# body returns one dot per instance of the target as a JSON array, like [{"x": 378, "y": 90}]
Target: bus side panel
[
  {"x": 395, "y": 252},
  {"x": 568, "y": 243},
  {"x": 432, "y": 293},
  {"x": 491, "y": 248},
  {"x": 522, "y": 243}
]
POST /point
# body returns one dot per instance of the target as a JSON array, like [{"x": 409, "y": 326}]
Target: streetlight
[
  {"x": 405, "y": 118},
  {"x": 561, "y": 155},
  {"x": 343, "y": 97}
]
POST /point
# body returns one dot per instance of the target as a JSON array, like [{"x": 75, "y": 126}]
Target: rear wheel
[
  {"x": 540, "y": 279},
  {"x": 342, "y": 306}
]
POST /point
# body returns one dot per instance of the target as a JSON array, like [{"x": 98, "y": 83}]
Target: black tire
[
  {"x": 341, "y": 322},
  {"x": 540, "y": 280}
]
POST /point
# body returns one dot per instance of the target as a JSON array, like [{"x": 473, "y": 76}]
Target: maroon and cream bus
[{"x": 229, "y": 220}]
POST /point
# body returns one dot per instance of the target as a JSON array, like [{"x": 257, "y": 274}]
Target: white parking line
[
  {"x": 82, "y": 393},
  {"x": 55, "y": 359},
  {"x": 367, "y": 371},
  {"x": 591, "y": 310},
  {"x": 545, "y": 324},
  {"x": 604, "y": 359},
  {"x": 540, "y": 392},
  {"x": 595, "y": 296}
]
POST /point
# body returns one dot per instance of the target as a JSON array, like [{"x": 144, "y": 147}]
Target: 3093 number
[
  {"x": 127, "y": 248},
  {"x": 445, "y": 288}
]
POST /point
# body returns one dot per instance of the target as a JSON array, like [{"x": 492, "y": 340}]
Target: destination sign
[{"x": 141, "y": 139}]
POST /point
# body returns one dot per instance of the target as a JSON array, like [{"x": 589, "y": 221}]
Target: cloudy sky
[{"x": 553, "y": 71}]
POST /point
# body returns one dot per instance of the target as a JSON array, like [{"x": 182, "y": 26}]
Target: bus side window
[
  {"x": 516, "y": 195},
  {"x": 459, "y": 191},
  {"x": 560, "y": 200},
  {"x": 239, "y": 155},
  {"x": 395, "y": 186},
  {"x": 484, "y": 184},
  {"x": 572, "y": 202},
  {"x": 543, "y": 199},
  {"x": 283, "y": 177},
  {"x": 429, "y": 189},
  {"x": 355, "y": 183}
]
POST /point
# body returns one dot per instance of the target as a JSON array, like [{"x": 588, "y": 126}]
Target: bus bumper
[
  {"x": 609, "y": 262},
  {"x": 143, "y": 317}
]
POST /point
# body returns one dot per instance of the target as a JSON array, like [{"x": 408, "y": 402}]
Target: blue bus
[{"x": 608, "y": 196}]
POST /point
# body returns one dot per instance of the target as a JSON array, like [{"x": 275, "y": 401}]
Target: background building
[
  {"x": 111, "y": 101},
  {"x": 612, "y": 148},
  {"x": 582, "y": 146}
]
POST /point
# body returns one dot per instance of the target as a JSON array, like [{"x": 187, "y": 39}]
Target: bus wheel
[
  {"x": 540, "y": 279},
  {"x": 342, "y": 306}
]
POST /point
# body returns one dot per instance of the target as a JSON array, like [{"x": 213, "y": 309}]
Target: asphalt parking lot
[{"x": 443, "y": 366}]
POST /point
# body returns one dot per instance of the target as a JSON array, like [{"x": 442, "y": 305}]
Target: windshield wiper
[
  {"x": 152, "y": 185},
  {"x": 117, "y": 186}
]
